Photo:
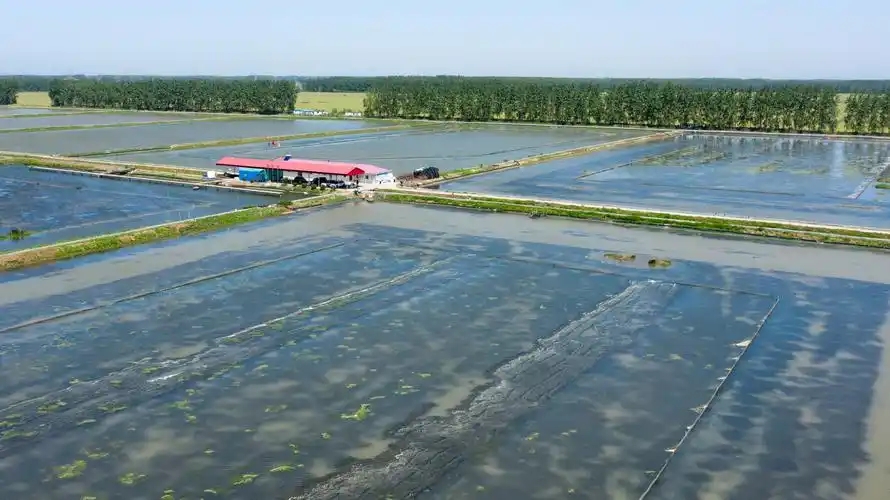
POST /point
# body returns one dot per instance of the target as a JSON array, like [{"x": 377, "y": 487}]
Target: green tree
[{"x": 9, "y": 88}]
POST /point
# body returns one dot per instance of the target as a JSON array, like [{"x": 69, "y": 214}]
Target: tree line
[
  {"x": 793, "y": 108},
  {"x": 215, "y": 95},
  {"x": 9, "y": 88},
  {"x": 41, "y": 83},
  {"x": 868, "y": 113},
  {"x": 366, "y": 83}
]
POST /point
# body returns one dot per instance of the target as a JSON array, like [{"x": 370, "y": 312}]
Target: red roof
[{"x": 307, "y": 166}]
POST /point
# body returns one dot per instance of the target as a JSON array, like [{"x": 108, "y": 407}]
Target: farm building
[{"x": 287, "y": 168}]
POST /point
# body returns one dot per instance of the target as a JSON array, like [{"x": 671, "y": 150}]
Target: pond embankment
[
  {"x": 535, "y": 208},
  {"x": 108, "y": 242}
]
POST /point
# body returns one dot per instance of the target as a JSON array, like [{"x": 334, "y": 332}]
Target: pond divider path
[
  {"x": 117, "y": 177},
  {"x": 804, "y": 226}
]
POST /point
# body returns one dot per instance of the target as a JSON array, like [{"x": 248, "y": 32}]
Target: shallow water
[
  {"x": 497, "y": 356},
  {"x": 57, "y": 207},
  {"x": 815, "y": 180},
  {"x": 447, "y": 148},
  {"x": 47, "y": 120},
  {"x": 148, "y": 135},
  {"x": 6, "y": 110}
]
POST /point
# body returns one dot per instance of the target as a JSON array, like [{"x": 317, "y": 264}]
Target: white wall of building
[
  {"x": 309, "y": 177},
  {"x": 377, "y": 179}
]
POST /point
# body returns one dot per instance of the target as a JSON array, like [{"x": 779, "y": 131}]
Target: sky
[{"x": 793, "y": 39}]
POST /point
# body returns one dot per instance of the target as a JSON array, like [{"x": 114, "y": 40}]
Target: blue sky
[{"x": 573, "y": 38}]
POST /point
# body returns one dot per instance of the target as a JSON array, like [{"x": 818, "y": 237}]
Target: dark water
[
  {"x": 48, "y": 120},
  {"x": 447, "y": 148},
  {"x": 145, "y": 136},
  {"x": 406, "y": 362},
  {"x": 827, "y": 181},
  {"x": 57, "y": 207}
]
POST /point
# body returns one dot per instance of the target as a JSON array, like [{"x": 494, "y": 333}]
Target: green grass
[
  {"x": 107, "y": 243},
  {"x": 883, "y": 185},
  {"x": 620, "y": 257},
  {"x": 710, "y": 224},
  {"x": 329, "y": 101}
]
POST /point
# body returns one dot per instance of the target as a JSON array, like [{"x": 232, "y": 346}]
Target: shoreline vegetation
[
  {"x": 34, "y": 256},
  {"x": 535, "y": 208}
]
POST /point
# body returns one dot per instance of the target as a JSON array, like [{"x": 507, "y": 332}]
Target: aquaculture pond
[
  {"x": 146, "y": 136},
  {"x": 816, "y": 180},
  {"x": 352, "y": 352},
  {"x": 55, "y": 207},
  {"x": 9, "y": 110},
  {"x": 444, "y": 147},
  {"x": 73, "y": 120}
]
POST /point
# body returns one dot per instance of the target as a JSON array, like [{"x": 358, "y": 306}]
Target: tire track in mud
[
  {"x": 432, "y": 447},
  {"x": 195, "y": 281},
  {"x": 85, "y": 403}
]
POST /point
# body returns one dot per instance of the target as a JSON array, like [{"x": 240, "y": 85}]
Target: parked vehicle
[{"x": 426, "y": 173}]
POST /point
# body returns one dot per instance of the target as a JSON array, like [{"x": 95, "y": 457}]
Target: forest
[
  {"x": 177, "y": 94},
  {"x": 8, "y": 90},
  {"x": 366, "y": 83},
  {"x": 791, "y": 108}
]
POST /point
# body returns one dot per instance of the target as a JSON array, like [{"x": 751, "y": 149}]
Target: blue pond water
[
  {"x": 814, "y": 180},
  {"x": 56, "y": 207},
  {"x": 521, "y": 363}
]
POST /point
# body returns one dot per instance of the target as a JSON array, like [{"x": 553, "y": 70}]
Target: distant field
[
  {"x": 40, "y": 99},
  {"x": 350, "y": 101},
  {"x": 328, "y": 101}
]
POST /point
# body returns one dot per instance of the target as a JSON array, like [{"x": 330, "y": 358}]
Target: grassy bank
[
  {"x": 107, "y": 243},
  {"x": 99, "y": 166},
  {"x": 245, "y": 140},
  {"x": 872, "y": 239},
  {"x": 534, "y": 160}
]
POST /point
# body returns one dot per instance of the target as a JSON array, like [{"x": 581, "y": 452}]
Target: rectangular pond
[
  {"x": 63, "y": 120},
  {"x": 448, "y": 148},
  {"x": 792, "y": 178},
  {"x": 12, "y": 110},
  {"x": 56, "y": 207},
  {"x": 146, "y": 136},
  {"x": 354, "y": 351}
]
